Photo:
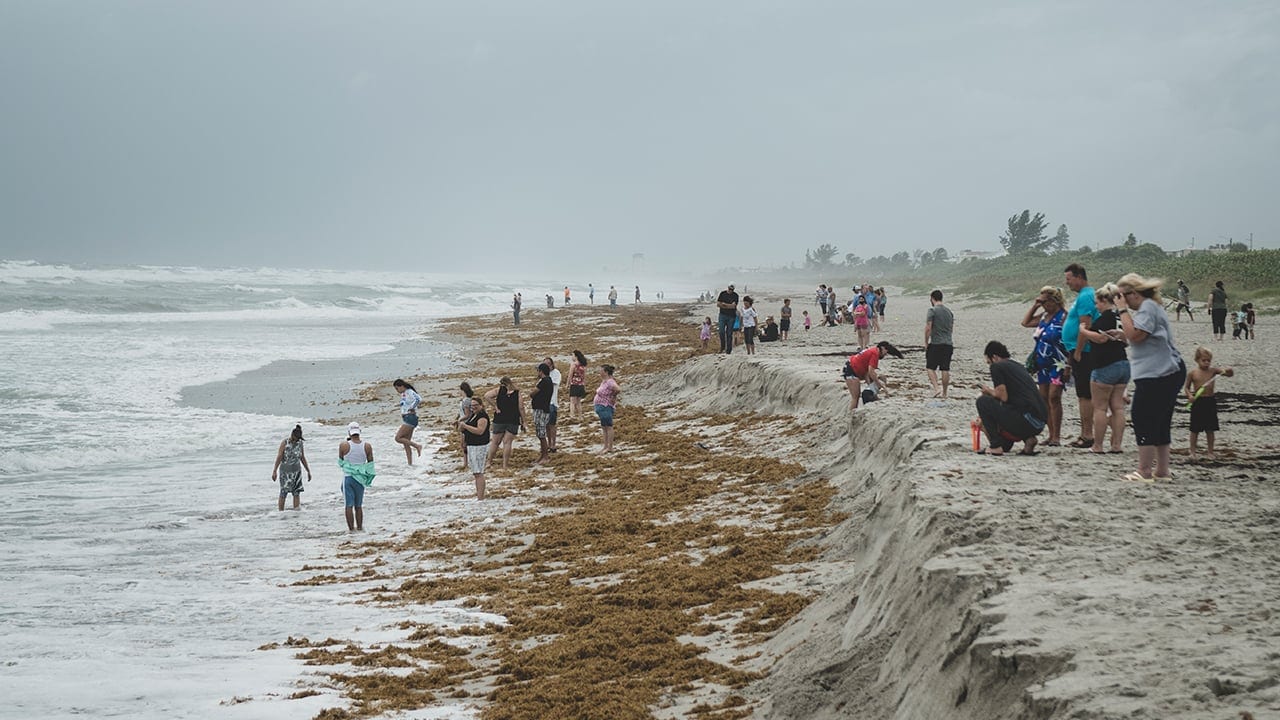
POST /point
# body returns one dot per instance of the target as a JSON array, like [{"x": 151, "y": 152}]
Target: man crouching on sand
[{"x": 1012, "y": 408}]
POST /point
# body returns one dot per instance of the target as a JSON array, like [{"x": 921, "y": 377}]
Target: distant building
[{"x": 973, "y": 254}]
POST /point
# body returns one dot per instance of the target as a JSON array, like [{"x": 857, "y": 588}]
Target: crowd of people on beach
[
  {"x": 1104, "y": 339},
  {"x": 517, "y": 299},
  {"x": 1098, "y": 343},
  {"x": 482, "y": 436}
]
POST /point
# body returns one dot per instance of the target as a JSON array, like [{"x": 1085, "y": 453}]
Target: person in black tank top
[
  {"x": 507, "y": 421},
  {"x": 1111, "y": 373},
  {"x": 475, "y": 433}
]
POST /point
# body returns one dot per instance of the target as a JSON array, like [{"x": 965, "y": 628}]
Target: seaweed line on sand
[{"x": 638, "y": 565}]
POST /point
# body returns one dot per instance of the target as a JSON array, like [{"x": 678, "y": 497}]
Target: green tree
[
  {"x": 1237, "y": 247},
  {"x": 1131, "y": 241},
  {"x": 850, "y": 259},
  {"x": 1024, "y": 234},
  {"x": 820, "y": 256},
  {"x": 900, "y": 258},
  {"x": 940, "y": 255},
  {"x": 1062, "y": 240}
]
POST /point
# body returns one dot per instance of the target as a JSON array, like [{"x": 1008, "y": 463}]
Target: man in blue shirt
[{"x": 1079, "y": 318}]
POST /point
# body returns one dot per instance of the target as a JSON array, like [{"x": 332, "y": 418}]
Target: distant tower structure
[{"x": 637, "y": 261}]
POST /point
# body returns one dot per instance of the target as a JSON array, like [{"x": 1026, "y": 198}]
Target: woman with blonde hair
[
  {"x": 1049, "y": 358},
  {"x": 1111, "y": 369},
  {"x": 1158, "y": 373}
]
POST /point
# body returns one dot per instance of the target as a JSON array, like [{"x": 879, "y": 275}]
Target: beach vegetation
[
  {"x": 821, "y": 256},
  {"x": 1251, "y": 273},
  {"x": 1024, "y": 234}
]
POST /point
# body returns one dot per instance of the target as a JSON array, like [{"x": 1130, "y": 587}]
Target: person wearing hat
[
  {"x": 728, "y": 304},
  {"x": 355, "y": 457}
]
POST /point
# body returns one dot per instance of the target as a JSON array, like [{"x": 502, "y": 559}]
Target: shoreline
[{"x": 954, "y": 585}]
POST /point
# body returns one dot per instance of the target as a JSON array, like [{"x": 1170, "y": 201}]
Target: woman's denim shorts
[{"x": 1117, "y": 373}]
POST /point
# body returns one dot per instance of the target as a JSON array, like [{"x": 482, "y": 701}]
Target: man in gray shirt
[{"x": 938, "y": 324}]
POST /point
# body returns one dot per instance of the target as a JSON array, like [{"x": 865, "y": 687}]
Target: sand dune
[{"x": 964, "y": 586}]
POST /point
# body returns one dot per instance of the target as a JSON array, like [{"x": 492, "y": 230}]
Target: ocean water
[{"x": 141, "y": 556}]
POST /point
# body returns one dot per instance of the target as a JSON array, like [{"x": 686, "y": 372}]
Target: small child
[
  {"x": 807, "y": 322},
  {"x": 1249, "y": 318},
  {"x": 749, "y": 315},
  {"x": 1202, "y": 400},
  {"x": 705, "y": 335},
  {"x": 1241, "y": 324}
]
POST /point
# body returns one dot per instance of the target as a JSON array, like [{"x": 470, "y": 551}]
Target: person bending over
[{"x": 863, "y": 367}]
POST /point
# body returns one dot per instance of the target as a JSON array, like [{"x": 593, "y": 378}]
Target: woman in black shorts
[
  {"x": 577, "y": 383},
  {"x": 508, "y": 419}
]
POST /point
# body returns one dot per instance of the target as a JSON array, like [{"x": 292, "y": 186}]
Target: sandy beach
[{"x": 756, "y": 549}]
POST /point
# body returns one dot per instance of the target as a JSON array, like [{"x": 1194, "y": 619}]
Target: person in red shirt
[{"x": 861, "y": 368}]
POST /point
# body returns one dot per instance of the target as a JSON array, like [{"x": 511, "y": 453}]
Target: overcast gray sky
[{"x": 440, "y": 135}]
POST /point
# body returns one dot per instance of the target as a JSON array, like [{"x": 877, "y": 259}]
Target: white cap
[{"x": 353, "y": 429}]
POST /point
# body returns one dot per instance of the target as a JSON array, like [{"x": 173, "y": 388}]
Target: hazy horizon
[{"x": 569, "y": 136}]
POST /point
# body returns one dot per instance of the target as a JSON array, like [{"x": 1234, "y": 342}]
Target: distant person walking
[
  {"x": 613, "y": 296},
  {"x": 515, "y": 309},
  {"x": 355, "y": 457},
  {"x": 784, "y": 321},
  {"x": 566, "y": 294},
  {"x": 728, "y": 304},
  {"x": 1184, "y": 302},
  {"x": 591, "y": 293},
  {"x": 606, "y": 404},
  {"x": 822, "y": 298},
  {"x": 409, "y": 401},
  {"x": 939, "y": 322},
  {"x": 637, "y": 295},
  {"x": 1158, "y": 373},
  {"x": 475, "y": 438},
  {"x": 1218, "y": 310},
  {"x": 750, "y": 319},
  {"x": 291, "y": 458}
]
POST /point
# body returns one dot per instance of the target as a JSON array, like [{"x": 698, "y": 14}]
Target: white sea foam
[{"x": 142, "y": 532}]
